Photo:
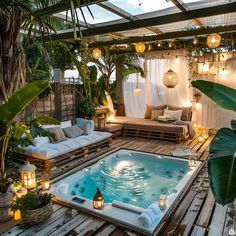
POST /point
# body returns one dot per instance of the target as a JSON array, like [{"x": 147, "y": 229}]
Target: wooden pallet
[
  {"x": 153, "y": 134},
  {"x": 58, "y": 165}
]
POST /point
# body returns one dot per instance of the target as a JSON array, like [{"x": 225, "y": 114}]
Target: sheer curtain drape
[{"x": 153, "y": 90}]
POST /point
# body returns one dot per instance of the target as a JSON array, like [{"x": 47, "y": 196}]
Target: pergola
[{"x": 180, "y": 19}]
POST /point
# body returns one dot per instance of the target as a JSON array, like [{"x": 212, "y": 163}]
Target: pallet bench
[{"x": 58, "y": 165}]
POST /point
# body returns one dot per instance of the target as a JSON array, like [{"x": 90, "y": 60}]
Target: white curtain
[{"x": 153, "y": 90}]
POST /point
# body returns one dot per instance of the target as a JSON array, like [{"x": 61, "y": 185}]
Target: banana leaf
[
  {"x": 222, "y": 175},
  {"x": 225, "y": 139},
  {"x": 220, "y": 94},
  {"x": 46, "y": 120},
  {"x": 20, "y": 99}
]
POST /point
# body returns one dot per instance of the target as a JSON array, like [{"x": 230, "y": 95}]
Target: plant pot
[
  {"x": 5, "y": 201},
  {"x": 34, "y": 217}
]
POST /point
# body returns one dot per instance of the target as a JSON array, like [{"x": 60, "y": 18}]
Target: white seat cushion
[{"x": 51, "y": 150}]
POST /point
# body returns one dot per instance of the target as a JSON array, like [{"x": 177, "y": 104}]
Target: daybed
[
  {"x": 152, "y": 128},
  {"x": 56, "y": 158}
]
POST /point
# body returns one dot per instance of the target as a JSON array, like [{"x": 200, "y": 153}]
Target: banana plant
[
  {"x": 222, "y": 161},
  {"x": 10, "y": 127}
]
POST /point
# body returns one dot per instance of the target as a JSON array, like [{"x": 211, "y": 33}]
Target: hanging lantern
[
  {"x": 170, "y": 79},
  {"x": 28, "y": 176},
  {"x": 137, "y": 91},
  {"x": 140, "y": 47},
  {"x": 97, "y": 53},
  {"x": 213, "y": 40},
  {"x": 98, "y": 200}
]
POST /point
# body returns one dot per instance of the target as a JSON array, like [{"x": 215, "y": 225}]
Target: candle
[
  {"x": 192, "y": 161},
  {"x": 45, "y": 184},
  {"x": 17, "y": 215},
  {"x": 200, "y": 139},
  {"x": 21, "y": 192},
  {"x": 162, "y": 201},
  {"x": 98, "y": 200},
  {"x": 205, "y": 134}
]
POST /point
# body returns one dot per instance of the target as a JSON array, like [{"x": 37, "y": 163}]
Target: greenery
[
  {"x": 222, "y": 162},
  {"x": 30, "y": 201},
  {"x": 86, "y": 108},
  {"x": 9, "y": 112}
]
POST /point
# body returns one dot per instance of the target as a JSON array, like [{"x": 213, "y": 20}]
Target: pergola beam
[
  {"x": 159, "y": 20},
  {"x": 165, "y": 36},
  {"x": 63, "y": 5},
  {"x": 182, "y": 6},
  {"x": 124, "y": 14}
]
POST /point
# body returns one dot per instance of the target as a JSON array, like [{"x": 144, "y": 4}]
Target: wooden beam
[
  {"x": 183, "y": 7},
  {"x": 124, "y": 14},
  {"x": 159, "y": 20},
  {"x": 63, "y": 5},
  {"x": 164, "y": 36}
]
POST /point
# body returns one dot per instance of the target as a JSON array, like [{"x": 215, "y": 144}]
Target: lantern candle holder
[
  {"x": 28, "y": 176},
  {"x": 201, "y": 139},
  {"x": 205, "y": 134},
  {"x": 162, "y": 201},
  {"x": 45, "y": 185},
  {"x": 98, "y": 200}
]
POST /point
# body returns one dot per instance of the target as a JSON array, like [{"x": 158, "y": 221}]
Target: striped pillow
[
  {"x": 156, "y": 113},
  {"x": 73, "y": 131},
  {"x": 57, "y": 134}
]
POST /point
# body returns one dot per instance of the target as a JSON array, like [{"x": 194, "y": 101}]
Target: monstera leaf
[
  {"x": 222, "y": 175},
  {"x": 220, "y": 94}
]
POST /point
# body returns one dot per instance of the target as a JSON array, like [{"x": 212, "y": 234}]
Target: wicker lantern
[
  {"x": 137, "y": 92},
  {"x": 98, "y": 200},
  {"x": 97, "y": 53},
  {"x": 170, "y": 79},
  {"x": 140, "y": 47},
  {"x": 213, "y": 40},
  {"x": 28, "y": 176}
]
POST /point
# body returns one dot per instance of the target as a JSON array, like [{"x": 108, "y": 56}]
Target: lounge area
[{"x": 117, "y": 118}]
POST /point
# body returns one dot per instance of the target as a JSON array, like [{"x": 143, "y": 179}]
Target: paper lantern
[
  {"x": 28, "y": 176},
  {"x": 170, "y": 79},
  {"x": 213, "y": 40},
  {"x": 98, "y": 200},
  {"x": 137, "y": 91},
  {"x": 140, "y": 47},
  {"x": 97, "y": 53}
]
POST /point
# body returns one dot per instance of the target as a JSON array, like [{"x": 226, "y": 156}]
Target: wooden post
[{"x": 57, "y": 100}]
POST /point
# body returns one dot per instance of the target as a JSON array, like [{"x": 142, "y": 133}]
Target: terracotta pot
[{"x": 5, "y": 201}]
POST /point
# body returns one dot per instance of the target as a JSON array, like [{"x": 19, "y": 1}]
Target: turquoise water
[{"x": 131, "y": 177}]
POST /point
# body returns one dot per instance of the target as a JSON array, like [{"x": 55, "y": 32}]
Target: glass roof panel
[
  {"x": 136, "y": 7},
  {"x": 100, "y": 15}
]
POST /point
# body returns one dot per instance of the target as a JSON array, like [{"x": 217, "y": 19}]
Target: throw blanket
[
  {"x": 190, "y": 127},
  {"x": 150, "y": 215}
]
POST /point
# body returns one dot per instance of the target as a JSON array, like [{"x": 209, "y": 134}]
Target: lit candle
[
  {"x": 200, "y": 139},
  {"x": 162, "y": 201},
  {"x": 21, "y": 192},
  {"x": 17, "y": 215},
  {"x": 192, "y": 162},
  {"x": 205, "y": 134},
  {"x": 45, "y": 184}
]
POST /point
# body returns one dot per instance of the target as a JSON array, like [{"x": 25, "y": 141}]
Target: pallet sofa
[
  {"x": 57, "y": 158},
  {"x": 147, "y": 128}
]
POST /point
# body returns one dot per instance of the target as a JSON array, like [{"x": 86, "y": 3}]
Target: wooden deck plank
[
  {"x": 192, "y": 213},
  {"x": 106, "y": 231},
  {"x": 198, "y": 231},
  {"x": 218, "y": 220},
  {"x": 230, "y": 221},
  {"x": 205, "y": 214}
]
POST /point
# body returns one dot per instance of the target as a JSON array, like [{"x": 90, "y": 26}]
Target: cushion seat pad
[{"x": 51, "y": 150}]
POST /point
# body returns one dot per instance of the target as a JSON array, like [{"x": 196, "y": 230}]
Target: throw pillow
[
  {"x": 65, "y": 124},
  {"x": 38, "y": 141},
  {"x": 73, "y": 131},
  {"x": 186, "y": 115},
  {"x": 149, "y": 108},
  {"x": 156, "y": 113},
  {"x": 176, "y": 115},
  {"x": 57, "y": 134},
  {"x": 86, "y": 125}
]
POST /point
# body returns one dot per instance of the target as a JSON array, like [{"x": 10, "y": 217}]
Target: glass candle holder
[
  {"x": 191, "y": 161},
  {"x": 45, "y": 184},
  {"x": 200, "y": 139},
  {"x": 98, "y": 200},
  {"x": 162, "y": 201}
]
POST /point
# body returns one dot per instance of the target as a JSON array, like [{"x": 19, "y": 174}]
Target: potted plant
[
  {"x": 86, "y": 108},
  {"x": 34, "y": 207},
  {"x": 11, "y": 129}
]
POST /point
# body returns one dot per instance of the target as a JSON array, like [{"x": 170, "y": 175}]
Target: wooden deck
[{"x": 196, "y": 215}]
